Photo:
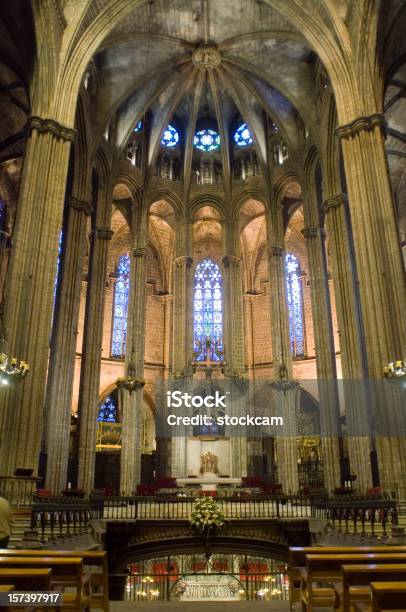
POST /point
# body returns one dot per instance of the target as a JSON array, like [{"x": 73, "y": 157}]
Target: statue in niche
[{"x": 209, "y": 464}]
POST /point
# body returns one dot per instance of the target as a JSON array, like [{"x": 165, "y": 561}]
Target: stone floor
[{"x": 175, "y": 606}]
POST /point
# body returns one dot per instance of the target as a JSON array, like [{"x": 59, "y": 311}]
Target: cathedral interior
[{"x": 202, "y": 282}]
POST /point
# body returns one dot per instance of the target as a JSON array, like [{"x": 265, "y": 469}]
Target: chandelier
[
  {"x": 130, "y": 382},
  {"x": 10, "y": 367},
  {"x": 395, "y": 371},
  {"x": 284, "y": 383}
]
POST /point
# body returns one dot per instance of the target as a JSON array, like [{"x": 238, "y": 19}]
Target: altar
[
  {"x": 209, "y": 477},
  {"x": 208, "y": 588}
]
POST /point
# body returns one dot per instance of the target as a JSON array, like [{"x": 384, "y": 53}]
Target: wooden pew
[
  {"x": 358, "y": 578},
  {"x": 297, "y": 559},
  {"x": 327, "y": 569},
  {"x": 95, "y": 562},
  {"x": 67, "y": 573},
  {"x": 388, "y": 596},
  {"x": 6, "y": 588},
  {"x": 26, "y": 579}
]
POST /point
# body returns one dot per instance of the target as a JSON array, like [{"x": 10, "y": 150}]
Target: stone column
[
  {"x": 381, "y": 278},
  {"x": 132, "y": 400},
  {"x": 352, "y": 351},
  {"x": 325, "y": 356},
  {"x": 182, "y": 346},
  {"x": 286, "y": 399},
  {"x": 91, "y": 354},
  {"x": 30, "y": 290},
  {"x": 62, "y": 360},
  {"x": 235, "y": 370}
]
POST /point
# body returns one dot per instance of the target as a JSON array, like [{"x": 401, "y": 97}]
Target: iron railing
[
  {"x": 163, "y": 507},
  {"x": 358, "y": 513},
  {"x": 58, "y": 515},
  {"x": 18, "y": 490}
]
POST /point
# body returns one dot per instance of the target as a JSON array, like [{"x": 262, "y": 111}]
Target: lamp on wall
[
  {"x": 11, "y": 368},
  {"x": 395, "y": 372},
  {"x": 284, "y": 383},
  {"x": 130, "y": 382}
]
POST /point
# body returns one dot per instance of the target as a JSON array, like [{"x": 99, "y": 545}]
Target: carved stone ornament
[{"x": 206, "y": 58}]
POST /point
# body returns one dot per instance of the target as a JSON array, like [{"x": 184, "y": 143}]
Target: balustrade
[{"x": 66, "y": 515}]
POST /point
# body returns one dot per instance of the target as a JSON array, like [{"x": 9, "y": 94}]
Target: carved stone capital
[
  {"x": 229, "y": 260},
  {"x": 50, "y": 126},
  {"x": 141, "y": 252},
  {"x": 80, "y": 205},
  {"x": 312, "y": 232},
  {"x": 362, "y": 124},
  {"x": 184, "y": 260},
  {"x": 276, "y": 251},
  {"x": 334, "y": 202},
  {"x": 102, "y": 233}
]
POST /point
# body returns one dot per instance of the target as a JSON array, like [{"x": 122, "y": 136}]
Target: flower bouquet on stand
[{"x": 207, "y": 518}]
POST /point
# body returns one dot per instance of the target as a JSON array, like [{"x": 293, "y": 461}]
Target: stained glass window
[
  {"x": 58, "y": 264},
  {"x": 108, "y": 411},
  {"x": 208, "y": 308},
  {"x": 206, "y": 140},
  {"x": 120, "y": 307},
  {"x": 170, "y": 137},
  {"x": 242, "y": 136},
  {"x": 138, "y": 127},
  {"x": 295, "y": 304}
]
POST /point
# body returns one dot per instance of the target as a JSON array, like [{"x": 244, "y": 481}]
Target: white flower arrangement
[{"x": 207, "y": 516}]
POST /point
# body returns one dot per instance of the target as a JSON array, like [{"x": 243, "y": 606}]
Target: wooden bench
[
  {"x": 327, "y": 569},
  {"x": 388, "y": 596},
  {"x": 357, "y": 581},
  {"x": 297, "y": 559},
  {"x": 67, "y": 573},
  {"x": 26, "y": 579},
  {"x": 6, "y": 588},
  {"x": 95, "y": 562}
]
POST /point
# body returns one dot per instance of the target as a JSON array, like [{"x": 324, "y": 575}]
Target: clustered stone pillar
[
  {"x": 92, "y": 348},
  {"x": 30, "y": 290},
  {"x": 381, "y": 277},
  {"x": 325, "y": 357},
  {"x": 132, "y": 402},
  {"x": 286, "y": 401},
  {"x": 62, "y": 359},
  {"x": 353, "y": 364},
  {"x": 235, "y": 360},
  {"x": 182, "y": 343}
]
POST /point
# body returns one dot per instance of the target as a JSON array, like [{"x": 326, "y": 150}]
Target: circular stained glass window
[
  {"x": 242, "y": 136},
  {"x": 206, "y": 140},
  {"x": 138, "y": 127},
  {"x": 170, "y": 137}
]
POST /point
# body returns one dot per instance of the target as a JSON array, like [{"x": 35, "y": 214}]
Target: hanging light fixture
[
  {"x": 11, "y": 368},
  {"x": 395, "y": 372},
  {"x": 131, "y": 382},
  {"x": 284, "y": 383}
]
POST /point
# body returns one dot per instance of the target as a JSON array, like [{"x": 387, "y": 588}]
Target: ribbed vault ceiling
[{"x": 259, "y": 65}]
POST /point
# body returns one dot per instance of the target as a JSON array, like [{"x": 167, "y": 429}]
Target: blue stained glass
[
  {"x": 58, "y": 266},
  {"x": 138, "y": 127},
  {"x": 242, "y": 136},
  {"x": 295, "y": 304},
  {"x": 208, "y": 307},
  {"x": 120, "y": 308},
  {"x": 170, "y": 137},
  {"x": 207, "y": 140},
  {"x": 107, "y": 411}
]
